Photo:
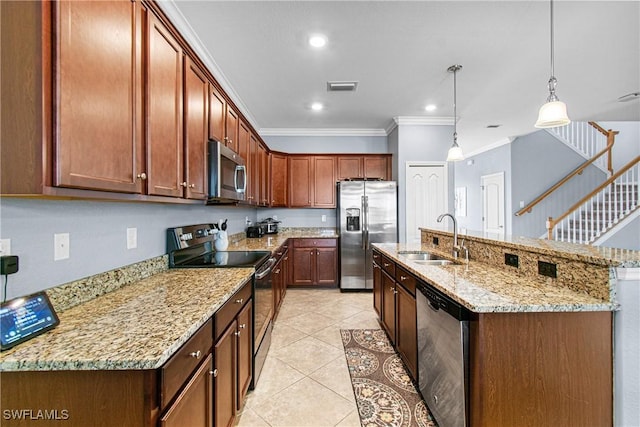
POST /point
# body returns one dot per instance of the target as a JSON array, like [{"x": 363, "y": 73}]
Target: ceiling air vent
[{"x": 341, "y": 86}]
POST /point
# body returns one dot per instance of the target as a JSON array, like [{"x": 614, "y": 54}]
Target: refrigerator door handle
[
  {"x": 365, "y": 210},
  {"x": 364, "y": 223}
]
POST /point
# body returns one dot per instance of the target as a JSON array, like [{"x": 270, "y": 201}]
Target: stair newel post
[
  {"x": 550, "y": 228},
  {"x": 611, "y": 136}
]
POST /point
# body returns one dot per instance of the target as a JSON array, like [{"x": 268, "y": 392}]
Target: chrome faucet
[{"x": 456, "y": 248}]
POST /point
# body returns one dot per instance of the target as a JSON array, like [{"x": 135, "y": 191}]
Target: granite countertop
[
  {"x": 485, "y": 289},
  {"x": 271, "y": 242},
  {"x": 138, "y": 326}
]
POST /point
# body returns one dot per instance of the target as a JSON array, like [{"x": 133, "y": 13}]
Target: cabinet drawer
[
  {"x": 377, "y": 257},
  {"x": 181, "y": 365},
  {"x": 388, "y": 266},
  {"x": 230, "y": 309},
  {"x": 406, "y": 279},
  {"x": 315, "y": 243}
]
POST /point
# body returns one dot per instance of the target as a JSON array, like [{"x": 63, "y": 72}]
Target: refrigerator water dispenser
[{"x": 353, "y": 219}]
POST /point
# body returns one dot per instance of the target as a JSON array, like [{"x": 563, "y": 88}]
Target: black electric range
[{"x": 193, "y": 246}]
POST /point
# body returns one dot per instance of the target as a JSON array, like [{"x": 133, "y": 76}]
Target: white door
[
  {"x": 493, "y": 203},
  {"x": 426, "y": 196}
]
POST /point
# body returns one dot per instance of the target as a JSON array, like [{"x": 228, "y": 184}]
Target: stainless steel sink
[
  {"x": 435, "y": 262},
  {"x": 420, "y": 256}
]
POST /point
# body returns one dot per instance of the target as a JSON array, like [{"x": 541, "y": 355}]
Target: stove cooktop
[{"x": 223, "y": 259}]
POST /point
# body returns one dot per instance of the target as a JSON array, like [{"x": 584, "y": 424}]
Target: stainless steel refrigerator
[{"x": 367, "y": 213}]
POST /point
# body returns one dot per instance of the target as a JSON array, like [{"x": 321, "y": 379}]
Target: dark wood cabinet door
[
  {"x": 225, "y": 381},
  {"x": 389, "y": 306},
  {"x": 244, "y": 141},
  {"x": 378, "y": 167},
  {"x": 98, "y": 90},
  {"x": 327, "y": 266},
  {"x": 254, "y": 173},
  {"x": 231, "y": 128},
  {"x": 377, "y": 288},
  {"x": 217, "y": 111},
  {"x": 196, "y": 88},
  {"x": 324, "y": 181},
  {"x": 303, "y": 266},
  {"x": 245, "y": 352},
  {"x": 349, "y": 167},
  {"x": 278, "y": 180},
  {"x": 300, "y": 181},
  {"x": 164, "y": 111},
  {"x": 263, "y": 156},
  {"x": 406, "y": 331},
  {"x": 194, "y": 406}
]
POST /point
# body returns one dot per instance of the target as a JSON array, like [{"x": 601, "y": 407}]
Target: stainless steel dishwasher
[{"x": 443, "y": 342}]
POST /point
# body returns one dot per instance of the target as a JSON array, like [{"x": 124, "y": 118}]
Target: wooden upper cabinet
[
  {"x": 164, "y": 111},
  {"x": 300, "y": 180},
  {"x": 254, "y": 172},
  {"x": 378, "y": 167},
  {"x": 244, "y": 150},
  {"x": 263, "y": 156},
  {"x": 231, "y": 128},
  {"x": 370, "y": 166},
  {"x": 349, "y": 167},
  {"x": 196, "y": 89},
  {"x": 324, "y": 181},
  {"x": 278, "y": 179},
  {"x": 98, "y": 122},
  {"x": 217, "y": 111}
]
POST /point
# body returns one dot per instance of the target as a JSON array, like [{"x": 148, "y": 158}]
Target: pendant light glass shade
[
  {"x": 455, "y": 152},
  {"x": 554, "y": 112}
]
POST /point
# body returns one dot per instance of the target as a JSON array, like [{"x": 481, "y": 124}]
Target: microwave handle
[{"x": 244, "y": 181}]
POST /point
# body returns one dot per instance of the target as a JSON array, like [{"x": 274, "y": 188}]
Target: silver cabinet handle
[
  {"x": 192, "y": 186},
  {"x": 237, "y": 333},
  {"x": 214, "y": 373},
  {"x": 184, "y": 184},
  {"x": 403, "y": 278},
  {"x": 240, "y": 301},
  {"x": 242, "y": 326},
  {"x": 196, "y": 354},
  {"x": 142, "y": 176},
  {"x": 386, "y": 264}
]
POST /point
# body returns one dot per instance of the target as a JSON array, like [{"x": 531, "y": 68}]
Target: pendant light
[
  {"x": 554, "y": 112},
  {"x": 455, "y": 152}
]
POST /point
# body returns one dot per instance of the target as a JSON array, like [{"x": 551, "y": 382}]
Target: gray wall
[
  {"x": 97, "y": 235},
  {"x": 627, "y": 145},
  {"x": 419, "y": 143},
  {"x": 300, "y": 217},
  {"x": 468, "y": 174},
  {"x": 624, "y": 237}
]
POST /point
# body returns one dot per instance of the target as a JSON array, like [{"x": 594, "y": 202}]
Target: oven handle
[{"x": 265, "y": 269}]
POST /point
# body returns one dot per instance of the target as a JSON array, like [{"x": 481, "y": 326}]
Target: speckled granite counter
[
  {"x": 138, "y": 326},
  {"x": 485, "y": 289},
  {"x": 271, "y": 242}
]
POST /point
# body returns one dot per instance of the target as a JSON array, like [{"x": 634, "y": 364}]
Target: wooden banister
[
  {"x": 610, "y": 134},
  {"x": 551, "y": 222}
]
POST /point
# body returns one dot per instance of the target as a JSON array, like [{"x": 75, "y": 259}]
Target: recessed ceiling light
[
  {"x": 317, "y": 40},
  {"x": 430, "y": 107},
  {"x": 317, "y": 106}
]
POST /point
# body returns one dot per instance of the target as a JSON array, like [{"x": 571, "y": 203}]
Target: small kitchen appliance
[
  {"x": 270, "y": 225},
  {"x": 255, "y": 231},
  {"x": 193, "y": 246}
]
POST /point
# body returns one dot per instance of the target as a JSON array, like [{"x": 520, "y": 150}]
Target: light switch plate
[
  {"x": 60, "y": 246},
  {"x": 5, "y": 247},
  {"x": 324, "y": 218},
  {"x": 132, "y": 238}
]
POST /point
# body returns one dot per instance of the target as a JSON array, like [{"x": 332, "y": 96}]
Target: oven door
[{"x": 263, "y": 313}]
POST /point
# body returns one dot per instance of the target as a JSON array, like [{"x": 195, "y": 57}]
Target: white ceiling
[{"x": 399, "y": 52}]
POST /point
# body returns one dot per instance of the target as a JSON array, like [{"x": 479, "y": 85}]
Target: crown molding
[
  {"x": 187, "y": 32},
  {"x": 321, "y": 132},
  {"x": 418, "y": 121}
]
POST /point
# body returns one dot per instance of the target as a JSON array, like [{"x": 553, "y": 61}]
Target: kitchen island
[{"x": 540, "y": 348}]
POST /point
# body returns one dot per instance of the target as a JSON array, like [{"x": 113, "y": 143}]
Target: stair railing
[
  {"x": 599, "y": 210},
  {"x": 588, "y": 139},
  {"x": 611, "y": 135}
]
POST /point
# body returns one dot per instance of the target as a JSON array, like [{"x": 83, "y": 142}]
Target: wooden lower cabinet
[
  {"x": 388, "y": 318},
  {"x": 244, "y": 336},
  {"x": 280, "y": 277},
  {"x": 406, "y": 329},
  {"x": 377, "y": 284},
  {"x": 226, "y": 374},
  {"x": 194, "y": 406},
  {"x": 315, "y": 262}
]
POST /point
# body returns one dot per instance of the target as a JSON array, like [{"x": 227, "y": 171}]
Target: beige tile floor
[{"x": 305, "y": 381}]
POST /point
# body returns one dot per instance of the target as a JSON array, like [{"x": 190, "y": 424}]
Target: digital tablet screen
[{"x": 25, "y": 317}]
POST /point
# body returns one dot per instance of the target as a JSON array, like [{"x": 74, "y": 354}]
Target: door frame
[
  {"x": 407, "y": 167},
  {"x": 503, "y": 206}
]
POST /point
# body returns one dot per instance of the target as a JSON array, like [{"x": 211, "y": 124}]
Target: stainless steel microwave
[{"x": 227, "y": 174}]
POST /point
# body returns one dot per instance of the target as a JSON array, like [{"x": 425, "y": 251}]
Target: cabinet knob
[
  {"x": 386, "y": 264},
  {"x": 192, "y": 186},
  {"x": 142, "y": 176},
  {"x": 214, "y": 373},
  {"x": 184, "y": 184},
  {"x": 240, "y": 301},
  {"x": 391, "y": 289},
  {"x": 403, "y": 278},
  {"x": 237, "y": 333},
  {"x": 196, "y": 354},
  {"x": 242, "y": 326},
  {"x": 277, "y": 271}
]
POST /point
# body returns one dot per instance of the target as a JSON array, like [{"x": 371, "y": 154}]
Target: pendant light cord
[{"x": 552, "y": 50}]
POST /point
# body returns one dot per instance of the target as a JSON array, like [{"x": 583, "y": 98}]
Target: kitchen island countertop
[{"x": 485, "y": 289}]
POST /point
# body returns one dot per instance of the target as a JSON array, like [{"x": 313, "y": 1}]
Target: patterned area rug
[{"x": 384, "y": 392}]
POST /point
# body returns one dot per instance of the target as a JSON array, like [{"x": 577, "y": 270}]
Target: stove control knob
[{"x": 186, "y": 236}]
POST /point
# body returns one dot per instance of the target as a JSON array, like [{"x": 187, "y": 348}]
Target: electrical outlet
[
  {"x": 132, "y": 238},
  {"x": 435, "y": 241},
  {"x": 511, "y": 259},
  {"x": 522, "y": 203},
  {"x": 547, "y": 269},
  {"x": 324, "y": 218},
  {"x": 60, "y": 246},
  {"x": 275, "y": 217},
  {"x": 5, "y": 247}
]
